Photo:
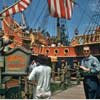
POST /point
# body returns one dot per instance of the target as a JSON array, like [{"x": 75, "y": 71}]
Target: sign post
[
  {"x": 16, "y": 64},
  {"x": 1, "y": 66}
]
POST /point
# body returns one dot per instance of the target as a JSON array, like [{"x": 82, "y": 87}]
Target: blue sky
[{"x": 37, "y": 15}]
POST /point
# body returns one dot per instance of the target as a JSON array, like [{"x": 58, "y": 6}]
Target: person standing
[
  {"x": 90, "y": 67},
  {"x": 41, "y": 75},
  {"x": 31, "y": 87}
]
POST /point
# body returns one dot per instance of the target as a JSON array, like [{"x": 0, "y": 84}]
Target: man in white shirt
[{"x": 41, "y": 75}]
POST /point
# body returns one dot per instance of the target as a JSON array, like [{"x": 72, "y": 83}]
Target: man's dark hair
[{"x": 44, "y": 60}]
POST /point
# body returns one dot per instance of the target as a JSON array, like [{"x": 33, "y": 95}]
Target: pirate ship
[
  {"x": 54, "y": 47},
  {"x": 57, "y": 47}
]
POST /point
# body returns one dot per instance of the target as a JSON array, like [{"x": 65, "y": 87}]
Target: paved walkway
[{"x": 76, "y": 92}]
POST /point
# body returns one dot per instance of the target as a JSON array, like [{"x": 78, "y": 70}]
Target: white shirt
[
  {"x": 32, "y": 66},
  {"x": 42, "y": 75}
]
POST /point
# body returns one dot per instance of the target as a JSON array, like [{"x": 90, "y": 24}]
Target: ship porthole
[
  {"x": 66, "y": 51},
  {"x": 47, "y": 51},
  {"x": 56, "y": 51}
]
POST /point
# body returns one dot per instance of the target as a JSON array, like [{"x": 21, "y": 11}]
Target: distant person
[
  {"x": 58, "y": 65},
  {"x": 68, "y": 74},
  {"x": 90, "y": 67},
  {"x": 41, "y": 75},
  {"x": 64, "y": 73}
]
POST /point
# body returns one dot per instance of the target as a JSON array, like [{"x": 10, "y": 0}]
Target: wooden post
[
  {"x": 1, "y": 66},
  {"x": 63, "y": 72},
  {"x": 0, "y": 77},
  {"x": 53, "y": 71},
  {"x": 26, "y": 88},
  {"x": 20, "y": 85},
  {"x": 58, "y": 73}
]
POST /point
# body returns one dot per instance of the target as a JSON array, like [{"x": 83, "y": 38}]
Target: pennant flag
[
  {"x": 61, "y": 8},
  {"x": 19, "y": 6}
]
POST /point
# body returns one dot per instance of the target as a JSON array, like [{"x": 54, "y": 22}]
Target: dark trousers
[{"x": 91, "y": 86}]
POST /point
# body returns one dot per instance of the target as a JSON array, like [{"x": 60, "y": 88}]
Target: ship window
[
  {"x": 56, "y": 51},
  {"x": 47, "y": 51},
  {"x": 66, "y": 51}
]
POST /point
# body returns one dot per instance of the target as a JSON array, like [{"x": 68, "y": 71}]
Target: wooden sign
[{"x": 17, "y": 61}]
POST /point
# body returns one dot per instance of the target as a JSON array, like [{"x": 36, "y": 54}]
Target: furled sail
[
  {"x": 61, "y": 8},
  {"x": 19, "y": 6}
]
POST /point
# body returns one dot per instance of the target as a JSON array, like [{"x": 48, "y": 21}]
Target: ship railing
[
  {"x": 66, "y": 75},
  {"x": 87, "y": 39}
]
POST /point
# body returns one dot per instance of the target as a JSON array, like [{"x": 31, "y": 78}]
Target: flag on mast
[
  {"x": 61, "y": 8},
  {"x": 19, "y": 6}
]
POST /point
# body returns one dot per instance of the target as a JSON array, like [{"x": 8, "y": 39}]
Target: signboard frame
[{"x": 17, "y": 61}]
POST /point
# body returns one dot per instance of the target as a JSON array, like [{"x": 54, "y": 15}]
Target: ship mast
[
  {"x": 61, "y": 36},
  {"x": 23, "y": 25}
]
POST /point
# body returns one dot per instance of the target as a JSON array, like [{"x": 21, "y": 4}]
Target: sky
[{"x": 37, "y": 15}]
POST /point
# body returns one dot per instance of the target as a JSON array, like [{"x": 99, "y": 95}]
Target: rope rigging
[
  {"x": 85, "y": 13},
  {"x": 95, "y": 20},
  {"x": 82, "y": 15},
  {"x": 45, "y": 17},
  {"x": 43, "y": 9},
  {"x": 32, "y": 11}
]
